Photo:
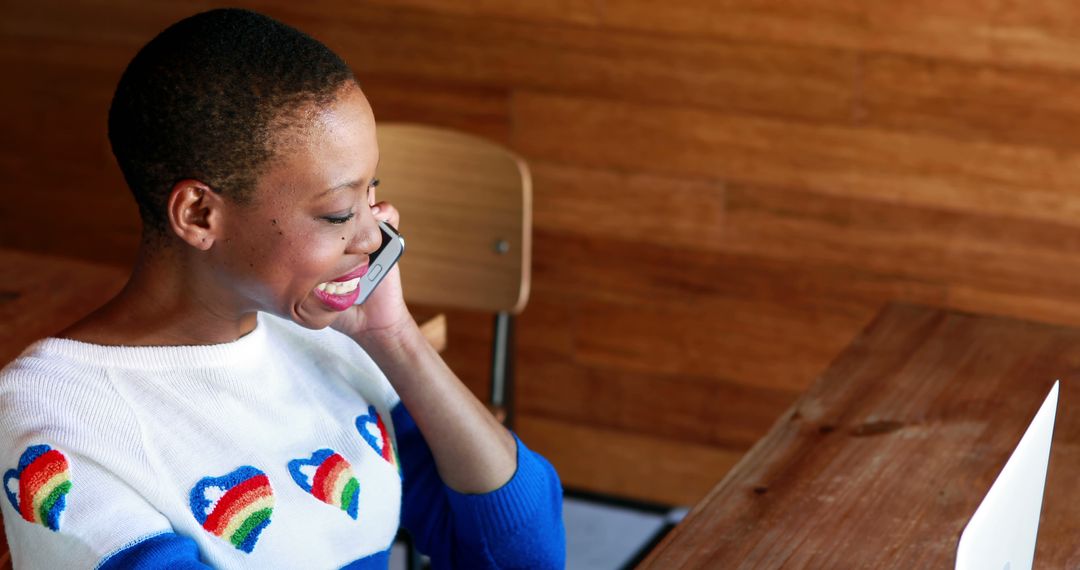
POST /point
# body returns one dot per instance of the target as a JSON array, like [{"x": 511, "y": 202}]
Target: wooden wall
[{"x": 726, "y": 190}]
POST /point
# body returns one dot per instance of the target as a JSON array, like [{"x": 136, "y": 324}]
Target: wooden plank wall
[{"x": 726, "y": 190}]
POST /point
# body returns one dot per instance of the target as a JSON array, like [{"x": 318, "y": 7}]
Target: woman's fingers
[{"x": 386, "y": 212}]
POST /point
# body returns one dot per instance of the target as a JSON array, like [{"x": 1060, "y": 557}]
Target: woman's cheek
[{"x": 324, "y": 252}]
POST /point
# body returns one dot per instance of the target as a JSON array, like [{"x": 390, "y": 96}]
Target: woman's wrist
[
  {"x": 397, "y": 339},
  {"x": 398, "y": 352}
]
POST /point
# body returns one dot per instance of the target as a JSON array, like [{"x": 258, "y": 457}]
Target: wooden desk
[{"x": 883, "y": 461}]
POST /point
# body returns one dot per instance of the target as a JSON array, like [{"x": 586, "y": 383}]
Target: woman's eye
[{"x": 339, "y": 219}]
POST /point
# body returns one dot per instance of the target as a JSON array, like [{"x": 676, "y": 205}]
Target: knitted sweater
[{"x": 287, "y": 448}]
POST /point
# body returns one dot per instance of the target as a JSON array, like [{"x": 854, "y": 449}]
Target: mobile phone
[{"x": 393, "y": 245}]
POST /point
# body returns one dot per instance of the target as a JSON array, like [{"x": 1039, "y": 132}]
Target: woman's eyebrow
[{"x": 349, "y": 184}]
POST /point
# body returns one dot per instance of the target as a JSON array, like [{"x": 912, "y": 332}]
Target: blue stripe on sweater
[
  {"x": 175, "y": 552},
  {"x": 377, "y": 561},
  {"x": 165, "y": 550}
]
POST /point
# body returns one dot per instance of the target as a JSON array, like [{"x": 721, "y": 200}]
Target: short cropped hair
[{"x": 204, "y": 99}]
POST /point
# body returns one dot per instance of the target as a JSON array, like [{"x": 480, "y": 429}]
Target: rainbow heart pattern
[
  {"x": 38, "y": 487},
  {"x": 374, "y": 432},
  {"x": 235, "y": 507},
  {"x": 329, "y": 478}
]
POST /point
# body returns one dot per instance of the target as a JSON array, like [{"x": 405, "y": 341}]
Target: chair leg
[
  {"x": 413, "y": 559},
  {"x": 502, "y": 367}
]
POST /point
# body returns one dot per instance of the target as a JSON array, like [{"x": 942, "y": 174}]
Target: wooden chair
[{"x": 466, "y": 205}]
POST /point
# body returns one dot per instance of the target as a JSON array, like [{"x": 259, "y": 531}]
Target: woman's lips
[
  {"x": 338, "y": 302},
  {"x": 342, "y": 292},
  {"x": 358, "y": 272}
]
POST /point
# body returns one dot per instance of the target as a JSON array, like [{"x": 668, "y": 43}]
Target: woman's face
[{"x": 310, "y": 222}]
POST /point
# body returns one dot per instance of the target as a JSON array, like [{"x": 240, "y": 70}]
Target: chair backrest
[{"x": 466, "y": 208}]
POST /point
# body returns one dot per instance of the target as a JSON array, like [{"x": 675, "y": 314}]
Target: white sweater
[{"x": 273, "y": 451}]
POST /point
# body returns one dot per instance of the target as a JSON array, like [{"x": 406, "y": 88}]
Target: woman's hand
[{"x": 384, "y": 313}]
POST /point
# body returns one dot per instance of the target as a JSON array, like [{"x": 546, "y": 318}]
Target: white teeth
[
  {"x": 339, "y": 288},
  {"x": 348, "y": 286}
]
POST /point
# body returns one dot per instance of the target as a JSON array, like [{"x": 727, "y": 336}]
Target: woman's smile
[{"x": 340, "y": 293}]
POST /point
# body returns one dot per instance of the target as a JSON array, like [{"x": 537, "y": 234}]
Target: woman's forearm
[{"x": 474, "y": 453}]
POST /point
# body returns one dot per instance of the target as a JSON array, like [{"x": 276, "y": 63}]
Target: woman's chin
[{"x": 311, "y": 314}]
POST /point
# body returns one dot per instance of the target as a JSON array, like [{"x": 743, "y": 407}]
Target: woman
[{"x": 230, "y": 407}]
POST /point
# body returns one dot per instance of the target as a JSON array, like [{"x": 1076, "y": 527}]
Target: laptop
[{"x": 1001, "y": 534}]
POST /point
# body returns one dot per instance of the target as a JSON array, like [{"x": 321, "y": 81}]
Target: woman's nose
[{"x": 367, "y": 237}]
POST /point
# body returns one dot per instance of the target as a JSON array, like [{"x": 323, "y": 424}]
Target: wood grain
[
  {"x": 989, "y": 252},
  {"x": 970, "y": 101},
  {"x": 55, "y": 159},
  {"x": 883, "y": 461},
  {"x": 905, "y": 167},
  {"x": 770, "y": 79},
  {"x": 685, "y": 212},
  {"x": 611, "y": 461},
  {"x": 558, "y": 12},
  {"x": 675, "y": 340},
  {"x": 483, "y": 111},
  {"x": 692, "y": 409},
  {"x": 986, "y": 32},
  {"x": 1034, "y": 34},
  {"x": 634, "y": 307}
]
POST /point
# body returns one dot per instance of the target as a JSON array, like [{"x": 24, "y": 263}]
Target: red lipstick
[
  {"x": 346, "y": 300},
  {"x": 358, "y": 272}
]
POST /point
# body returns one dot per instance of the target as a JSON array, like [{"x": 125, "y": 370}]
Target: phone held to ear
[{"x": 393, "y": 245}]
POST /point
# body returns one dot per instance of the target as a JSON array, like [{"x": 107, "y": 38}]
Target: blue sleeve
[
  {"x": 518, "y": 525},
  {"x": 168, "y": 551}
]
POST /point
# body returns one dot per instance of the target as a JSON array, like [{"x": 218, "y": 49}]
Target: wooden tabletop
[{"x": 883, "y": 461}]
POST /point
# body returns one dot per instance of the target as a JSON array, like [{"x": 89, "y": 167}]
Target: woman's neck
[{"x": 165, "y": 302}]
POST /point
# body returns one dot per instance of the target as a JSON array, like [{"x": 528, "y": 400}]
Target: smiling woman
[{"x": 228, "y": 407}]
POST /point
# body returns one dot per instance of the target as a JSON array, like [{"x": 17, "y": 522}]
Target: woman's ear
[{"x": 195, "y": 213}]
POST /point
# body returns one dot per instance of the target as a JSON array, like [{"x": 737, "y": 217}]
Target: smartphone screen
[{"x": 393, "y": 245}]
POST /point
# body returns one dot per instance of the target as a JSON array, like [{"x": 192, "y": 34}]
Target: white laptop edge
[{"x": 1001, "y": 534}]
